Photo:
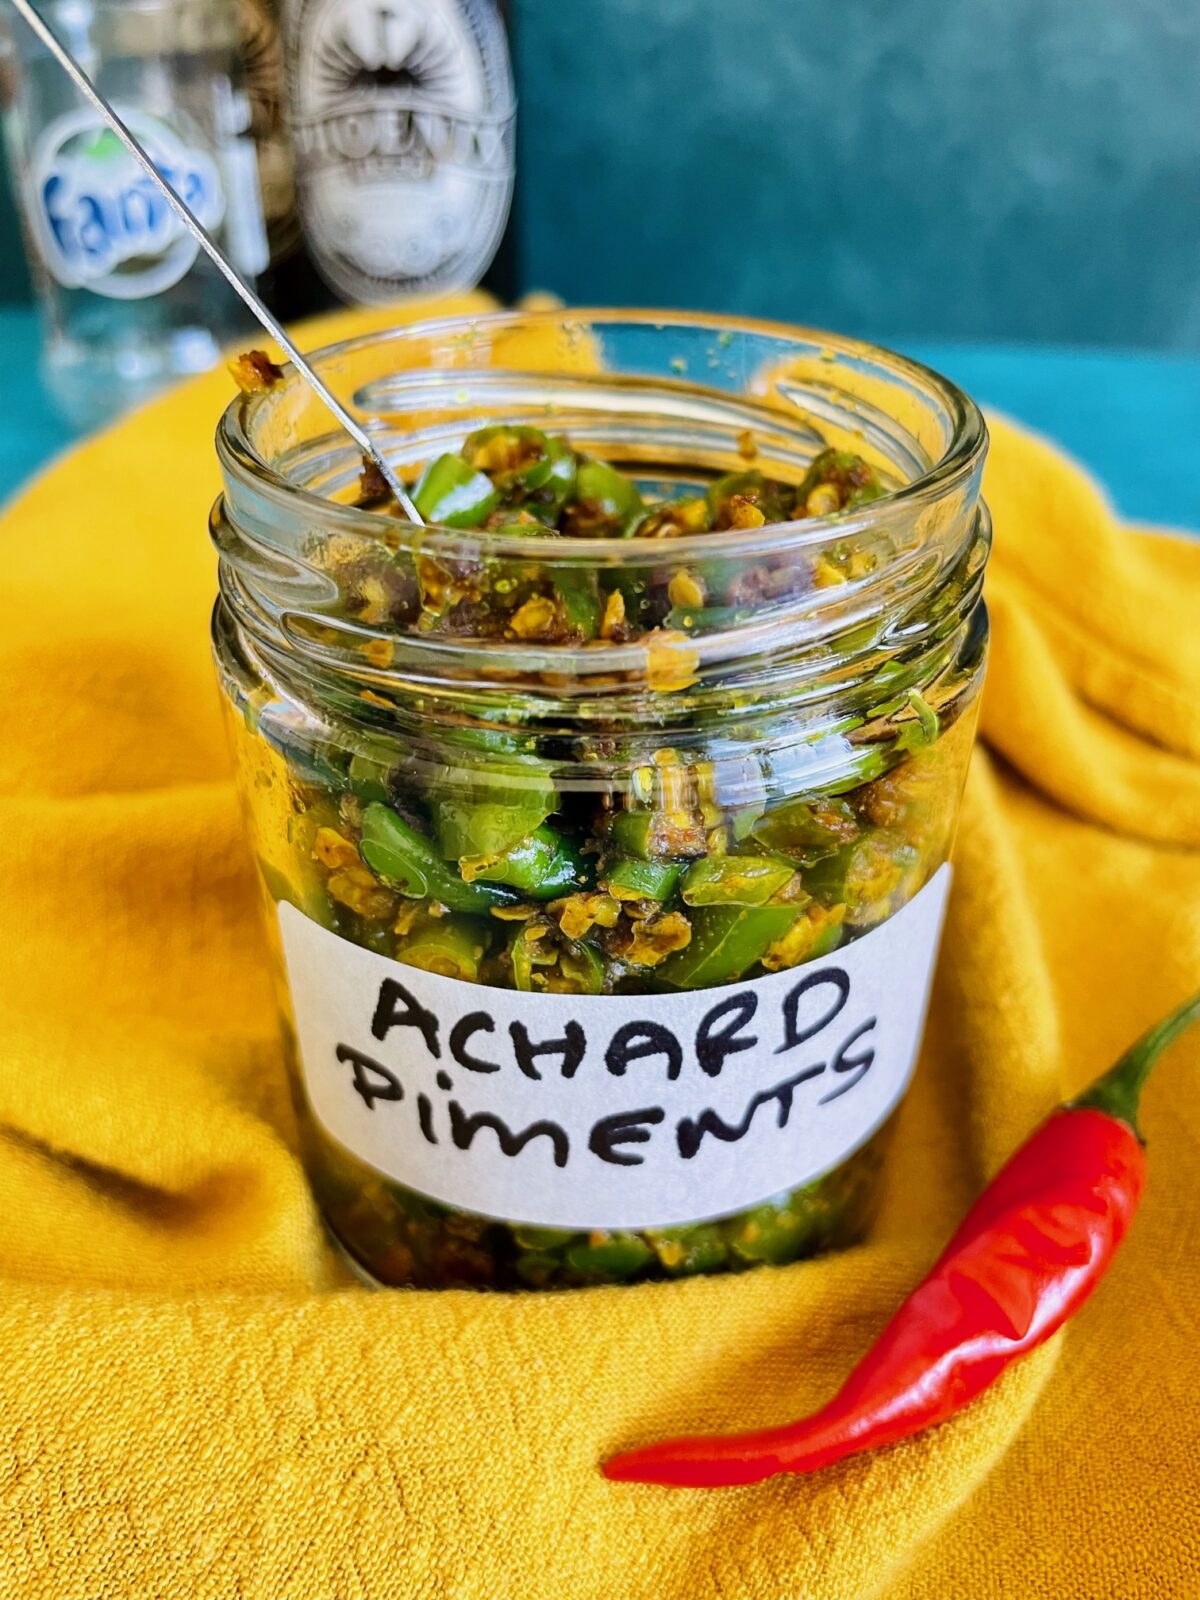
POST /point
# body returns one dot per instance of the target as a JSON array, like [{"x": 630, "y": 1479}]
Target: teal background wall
[
  {"x": 1002, "y": 169},
  {"x": 1009, "y": 169}
]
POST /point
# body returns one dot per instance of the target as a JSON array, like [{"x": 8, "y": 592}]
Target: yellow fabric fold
[{"x": 195, "y": 1401}]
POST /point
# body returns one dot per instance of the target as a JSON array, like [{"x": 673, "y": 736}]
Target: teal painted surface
[
  {"x": 1131, "y": 417},
  {"x": 1114, "y": 410},
  {"x": 965, "y": 169},
  {"x": 30, "y": 430}
]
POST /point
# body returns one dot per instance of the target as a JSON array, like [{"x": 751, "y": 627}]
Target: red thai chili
[{"x": 1030, "y": 1251}]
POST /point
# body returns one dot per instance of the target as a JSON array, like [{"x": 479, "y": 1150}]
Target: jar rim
[{"x": 959, "y": 461}]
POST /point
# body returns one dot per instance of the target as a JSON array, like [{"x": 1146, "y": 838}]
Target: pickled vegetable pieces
[{"x": 519, "y": 480}]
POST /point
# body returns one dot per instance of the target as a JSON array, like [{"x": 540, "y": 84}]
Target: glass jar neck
[
  {"x": 820, "y": 619},
  {"x": 820, "y": 661}
]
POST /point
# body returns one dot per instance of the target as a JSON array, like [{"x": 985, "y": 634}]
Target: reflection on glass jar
[{"x": 603, "y": 823}]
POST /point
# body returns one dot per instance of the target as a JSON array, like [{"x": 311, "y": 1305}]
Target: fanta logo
[{"x": 101, "y": 222}]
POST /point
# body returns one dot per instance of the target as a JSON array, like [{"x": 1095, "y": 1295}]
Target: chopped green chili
[
  {"x": 453, "y": 494},
  {"x": 726, "y": 943},
  {"x": 734, "y": 880},
  {"x": 406, "y": 861}
]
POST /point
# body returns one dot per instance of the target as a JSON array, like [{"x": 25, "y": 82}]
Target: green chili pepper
[
  {"x": 516, "y": 746},
  {"x": 369, "y": 776},
  {"x": 726, "y": 942},
  {"x": 771, "y": 498},
  {"x": 716, "y": 577},
  {"x": 493, "y": 741},
  {"x": 633, "y": 833},
  {"x": 704, "y": 619},
  {"x": 771, "y": 1232},
  {"x": 675, "y": 517},
  {"x": 538, "y": 1270},
  {"x": 734, "y": 880},
  {"x": 451, "y": 946},
  {"x": 542, "y": 1250},
  {"x": 546, "y": 1240},
  {"x": 544, "y": 466},
  {"x": 523, "y": 957},
  {"x": 580, "y": 970},
  {"x": 669, "y": 834},
  {"x": 807, "y": 828},
  {"x": 641, "y": 602},
  {"x": 527, "y": 446},
  {"x": 559, "y": 483},
  {"x": 891, "y": 685},
  {"x": 923, "y": 732},
  {"x": 453, "y": 494},
  {"x": 826, "y": 938},
  {"x": 617, "y": 1257},
  {"x": 646, "y": 880},
  {"x": 542, "y": 866},
  {"x": 471, "y": 818},
  {"x": 862, "y": 875},
  {"x": 855, "y": 479},
  {"x": 407, "y": 862},
  {"x": 818, "y": 931},
  {"x": 468, "y": 831},
  {"x": 869, "y": 761},
  {"x": 579, "y": 591},
  {"x": 612, "y": 494},
  {"x": 684, "y": 1251},
  {"x": 749, "y": 483},
  {"x": 564, "y": 966}
]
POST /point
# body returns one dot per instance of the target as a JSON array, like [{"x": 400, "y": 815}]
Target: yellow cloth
[{"x": 193, "y": 1400}]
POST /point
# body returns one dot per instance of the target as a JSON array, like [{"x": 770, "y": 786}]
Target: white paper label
[{"x": 610, "y": 1111}]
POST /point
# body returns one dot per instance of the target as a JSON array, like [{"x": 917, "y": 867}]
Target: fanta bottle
[{"x": 129, "y": 301}]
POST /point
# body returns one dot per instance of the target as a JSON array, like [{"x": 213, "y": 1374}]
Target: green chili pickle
[{"x": 603, "y": 823}]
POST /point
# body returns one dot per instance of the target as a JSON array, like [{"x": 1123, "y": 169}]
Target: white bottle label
[
  {"x": 100, "y": 222},
  {"x": 610, "y": 1111},
  {"x": 402, "y": 122}
]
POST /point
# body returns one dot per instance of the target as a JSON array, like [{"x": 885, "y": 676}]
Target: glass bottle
[
  {"x": 402, "y": 116},
  {"x": 291, "y": 284},
  {"x": 128, "y": 300}
]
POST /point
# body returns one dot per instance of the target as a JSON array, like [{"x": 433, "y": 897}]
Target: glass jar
[{"x": 604, "y": 874}]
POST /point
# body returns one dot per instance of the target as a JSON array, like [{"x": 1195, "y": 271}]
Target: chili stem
[{"x": 1118, "y": 1092}]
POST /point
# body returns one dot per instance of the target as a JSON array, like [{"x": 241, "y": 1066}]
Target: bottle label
[
  {"x": 402, "y": 122},
  {"x": 610, "y": 1111},
  {"x": 100, "y": 222}
]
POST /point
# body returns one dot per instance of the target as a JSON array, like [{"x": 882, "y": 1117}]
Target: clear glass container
[
  {"x": 604, "y": 874},
  {"x": 128, "y": 302}
]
